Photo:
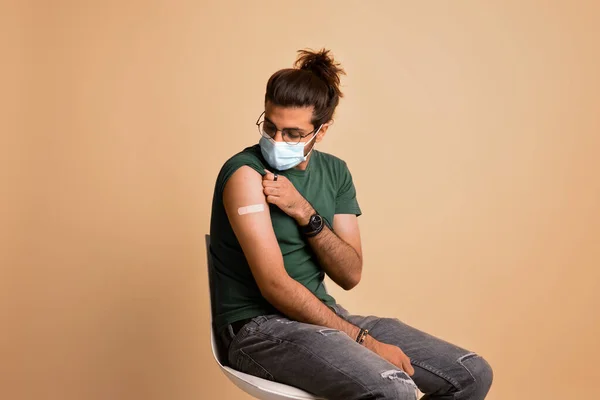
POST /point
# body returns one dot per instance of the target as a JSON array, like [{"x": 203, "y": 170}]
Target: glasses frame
[{"x": 259, "y": 123}]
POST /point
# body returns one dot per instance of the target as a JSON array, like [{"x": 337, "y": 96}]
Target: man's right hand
[{"x": 391, "y": 353}]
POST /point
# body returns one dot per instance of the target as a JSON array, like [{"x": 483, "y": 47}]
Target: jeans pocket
[
  {"x": 246, "y": 364},
  {"x": 251, "y": 348}
]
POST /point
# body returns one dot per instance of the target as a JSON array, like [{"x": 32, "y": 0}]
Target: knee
[
  {"x": 484, "y": 375},
  {"x": 481, "y": 375}
]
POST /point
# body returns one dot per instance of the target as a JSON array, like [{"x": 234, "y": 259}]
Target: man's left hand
[{"x": 284, "y": 195}]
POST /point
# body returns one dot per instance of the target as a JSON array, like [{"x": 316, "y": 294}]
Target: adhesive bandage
[{"x": 251, "y": 209}]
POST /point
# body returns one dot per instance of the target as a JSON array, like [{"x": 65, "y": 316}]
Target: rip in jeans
[
  {"x": 326, "y": 332},
  {"x": 394, "y": 374}
]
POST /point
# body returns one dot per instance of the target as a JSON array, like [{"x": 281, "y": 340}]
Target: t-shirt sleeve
[
  {"x": 345, "y": 202},
  {"x": 236, "y": 162}
]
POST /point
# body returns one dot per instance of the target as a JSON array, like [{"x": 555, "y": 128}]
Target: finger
[
  {"x": 400, "y": 364},
  {"x": 272, "y": 199},
  {"x": 267, "y": 183},
  {"x": 271, "y": 191},
  {"x": 269, "y": 175},
  {"x": 407, "y": 366}
]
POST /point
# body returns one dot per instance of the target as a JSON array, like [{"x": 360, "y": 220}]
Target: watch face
[{"x": 316, "y": 221}]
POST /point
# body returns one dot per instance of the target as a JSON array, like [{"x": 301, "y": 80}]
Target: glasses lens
[
  {"x": 269, "y": 129},
  {"x": 264, "y": 131},
  {"x": 291, "y": 137}
]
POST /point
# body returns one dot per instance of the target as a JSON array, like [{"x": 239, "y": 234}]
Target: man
[{"x": 284, "y": 215}]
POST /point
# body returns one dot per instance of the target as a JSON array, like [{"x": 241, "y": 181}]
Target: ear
[{"x": 323, "y": 131}]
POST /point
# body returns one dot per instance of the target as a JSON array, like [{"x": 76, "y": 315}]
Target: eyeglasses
[{"x": 268, "y": 130}]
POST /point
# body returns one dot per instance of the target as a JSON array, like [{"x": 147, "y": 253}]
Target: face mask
[{"x": 282, "y": 155}]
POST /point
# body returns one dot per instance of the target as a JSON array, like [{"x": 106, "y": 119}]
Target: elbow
[
  {"x": 272, "y": 289},
  {"x": 352, "y": 281},
  {"x": 269, "y": 292},
  {"x": 354, "y": 277}
]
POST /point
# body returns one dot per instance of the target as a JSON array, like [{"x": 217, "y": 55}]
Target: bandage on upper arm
[
  {"x": 254, "y": 208},
  {"x": 243, "y": 197}
]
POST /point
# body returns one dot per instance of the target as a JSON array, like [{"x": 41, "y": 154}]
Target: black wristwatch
[{"x": 314, "y": 227}]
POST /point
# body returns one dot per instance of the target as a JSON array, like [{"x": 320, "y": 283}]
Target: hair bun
[{"x": 322, "y": 64}]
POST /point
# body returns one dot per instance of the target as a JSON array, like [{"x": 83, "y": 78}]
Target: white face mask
[{"x": 282, "y": 155}]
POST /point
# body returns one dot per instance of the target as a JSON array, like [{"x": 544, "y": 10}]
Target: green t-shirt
[{"x": 326, "y": 184}]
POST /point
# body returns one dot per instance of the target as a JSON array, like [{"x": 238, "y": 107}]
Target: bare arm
[
  {"x": 341, "y": 259},
  {"x": 255, "y": 234}
]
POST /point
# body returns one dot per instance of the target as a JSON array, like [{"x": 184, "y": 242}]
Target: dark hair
[{"x": 314, "y": 81}]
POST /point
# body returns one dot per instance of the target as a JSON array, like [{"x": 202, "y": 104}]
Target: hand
[
  {"x": 284, "y": 195},
  {"x": 391, "y": 353}
]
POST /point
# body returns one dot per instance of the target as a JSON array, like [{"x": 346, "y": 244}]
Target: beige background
[{"x": 472, "y": 131}]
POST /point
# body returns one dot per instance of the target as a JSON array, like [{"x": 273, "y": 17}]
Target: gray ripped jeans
[{"x": 330, "y": 364}]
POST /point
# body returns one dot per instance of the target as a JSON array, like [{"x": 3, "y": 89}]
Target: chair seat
[{"x": 265, "y": 389}]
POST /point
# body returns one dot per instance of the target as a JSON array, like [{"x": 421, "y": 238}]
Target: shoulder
[
  {"x": 335, "y": 166},
  {"x": 250, "y": 157},
  {"x": 331, "y": 161}
]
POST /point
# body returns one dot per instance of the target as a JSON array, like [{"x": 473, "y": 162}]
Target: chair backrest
[{"x": 220, "y": 358}]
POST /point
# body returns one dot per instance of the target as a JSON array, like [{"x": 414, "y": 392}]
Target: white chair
[{"x": 260, "y": 388}]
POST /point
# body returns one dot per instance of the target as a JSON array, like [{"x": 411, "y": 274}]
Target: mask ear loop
[{"x": 314, "y": 136}]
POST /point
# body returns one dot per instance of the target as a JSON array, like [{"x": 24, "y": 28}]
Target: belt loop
[{"x": 230, "y": 332}]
